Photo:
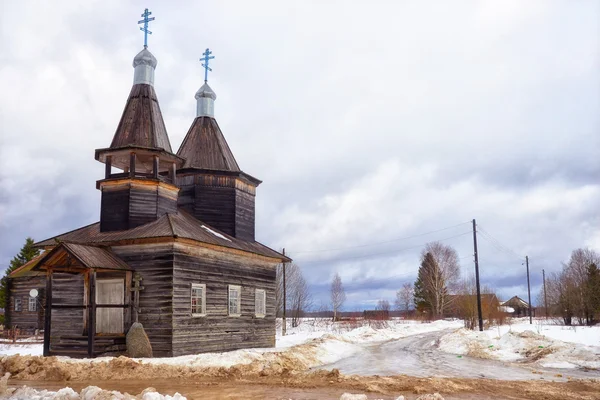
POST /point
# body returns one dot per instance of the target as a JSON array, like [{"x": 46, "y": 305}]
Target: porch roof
[{"x": 86, "y": 256}]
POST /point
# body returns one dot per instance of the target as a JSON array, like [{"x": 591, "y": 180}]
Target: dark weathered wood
[
  {"x": 218, "y": 331},
  {"x": 91, "y": 313},
  {"x": 48, "y": 319},
  {"x": 19, "y": 288},
  {"x": 155, "y": 264},
  {"x": 108, "y": 167},
  {"x": 132, "y": 165},
  {"x": 155, "y": 165}
]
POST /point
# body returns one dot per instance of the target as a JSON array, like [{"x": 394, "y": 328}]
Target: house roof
[
  {"x": 205, "y": 147},
  {"x": 142, "y": 123},
  {"x": 516, "y": 302},
  {"x": 177, "y": 225},
  {"x": 26, "y": 269},
  {"x": 87, "y": 256}
]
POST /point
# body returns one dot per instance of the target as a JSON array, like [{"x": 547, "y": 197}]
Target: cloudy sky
[{"x": 376, "y": 126}]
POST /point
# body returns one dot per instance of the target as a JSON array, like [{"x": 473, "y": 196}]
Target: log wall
[
  {"x": 217, "y": 331},
  {"x": 67, "y": 289},
  {"x": 154, "y": 262},
  {"x": 19, "y": 289}
]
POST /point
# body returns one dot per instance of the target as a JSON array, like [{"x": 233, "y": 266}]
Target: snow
[
  {"x": 89, "y": 393},
  {"x": 8, "y": 349},
  {"x": 551, "y": 346},
  {"x": 217, "y": 234},
  {"x": 317, "y": 342}
]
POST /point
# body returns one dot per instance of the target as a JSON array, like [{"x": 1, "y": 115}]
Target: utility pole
[
  {"x": 479, "y": 313},
  {"x": 284, "y": 323},
  {"x": 545, "y": 297},
  {"x": 528, "y": 289}
]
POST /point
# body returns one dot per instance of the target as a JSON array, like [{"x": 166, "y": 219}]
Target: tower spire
[
  {"x": 144, "y": 62},
  {"x": 205, "y": 96}
]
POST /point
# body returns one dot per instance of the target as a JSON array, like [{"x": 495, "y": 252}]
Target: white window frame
[
  {"x": 239, "y": 300},
  {"x": 18, "y": 306},
  {"x": 260, "y": 294},
  {"x": 32, "y": 304},
  {"x": 203, "y": 299}
]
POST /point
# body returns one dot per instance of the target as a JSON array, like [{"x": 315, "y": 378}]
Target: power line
[
  {"x": 498, "y": 245},
  {"x": 382, "y": 253},
  {"x": 378, "y": 243}
]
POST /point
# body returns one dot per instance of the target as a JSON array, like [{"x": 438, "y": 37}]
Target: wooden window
[
  {"x": 198, "y": 300},
  {"x": 235, "y": 301},
  {"x": 17, "y": 304},
  {"x": 260, "y": 299},
  {"x": 32, "y": 304}
]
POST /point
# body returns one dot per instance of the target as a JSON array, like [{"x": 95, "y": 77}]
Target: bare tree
[
  {"x": 383, "y": 305},
  {"x": 338, "y": 295},
  {"x": 438, "y": 276},
  {"x": 404, "y": 298},
  {"x": 299, "y": 298}
]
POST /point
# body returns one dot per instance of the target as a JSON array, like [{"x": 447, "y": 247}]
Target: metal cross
[
  {"x": 137, "y": 278},
  {"x": 207, "y": 56},
  {"x": 145, "y": 21}
]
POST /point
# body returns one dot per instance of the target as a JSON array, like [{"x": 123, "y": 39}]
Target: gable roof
[
  {"x": 26, "y": 269},
  {"x": 177, "y": 225},
  {"x": 87, "y": 256},
  {"x": 142, "y": 123},
  {"x": 516, "y": 302},
  {"x": 205, "y": 147}
]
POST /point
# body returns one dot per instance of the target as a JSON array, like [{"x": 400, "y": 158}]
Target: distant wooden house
[
  {"x": 465, "y": 306},
  {"x": 520, "y": 308},
  {"x": 174, "y": 247},
  {"x": 24, "y": 311}
]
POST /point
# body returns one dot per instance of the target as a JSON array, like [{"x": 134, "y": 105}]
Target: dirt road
[{"x": 419, "y": 356}]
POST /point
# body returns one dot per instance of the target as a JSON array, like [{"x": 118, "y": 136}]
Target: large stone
[{"x": 138, "y": 344}]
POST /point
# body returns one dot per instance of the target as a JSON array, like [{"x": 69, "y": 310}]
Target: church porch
[{"x": 88, "y": 302}]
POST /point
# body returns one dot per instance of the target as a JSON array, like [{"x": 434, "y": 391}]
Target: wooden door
[{"x": 109, "y": 291}]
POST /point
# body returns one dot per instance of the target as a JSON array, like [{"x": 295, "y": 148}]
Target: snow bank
[
  {"x": 89, "y": 393},
  {"x": 8, "y": 349},
  {"x": 525, "y": 345}
]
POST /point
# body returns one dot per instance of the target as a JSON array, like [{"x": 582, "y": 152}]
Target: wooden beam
[
  {"x": 173, "y": 172},
  {"x": 131, "y": 164},
  {"x": 92, "y": 314},
  {"x": 155, "y": 167},
  {"x": 108, "y": 167},
  {"x": 127, "y": 300},
  {"x": 48, "y": 315}
]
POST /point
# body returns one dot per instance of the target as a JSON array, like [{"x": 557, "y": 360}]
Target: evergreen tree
[
  {"x": 593, "y": 292},
  {"x": 422, "y": 295},
  {"x": 27, "y": 253}
]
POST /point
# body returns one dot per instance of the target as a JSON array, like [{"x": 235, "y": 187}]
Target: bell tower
[
  {"x": 213, "y": 187},
  {"x": 143, "y": 187}
]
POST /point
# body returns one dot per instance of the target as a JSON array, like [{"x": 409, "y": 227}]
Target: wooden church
[{"x": 174, "y": 247}]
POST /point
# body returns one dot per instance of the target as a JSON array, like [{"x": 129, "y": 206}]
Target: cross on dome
[
  {"x": 207, "y": 56},
  {"x": 145, "y": 21}
]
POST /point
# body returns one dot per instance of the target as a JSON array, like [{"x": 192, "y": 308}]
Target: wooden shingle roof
[
  {"x": 205, "y": 147},
  {"x": 142, "y": 123},
  {"x": 87, "y": 256},
  {"x": 177, "y": 225}
]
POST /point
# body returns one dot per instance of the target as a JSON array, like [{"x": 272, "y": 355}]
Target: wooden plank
[
  {"x": 92, "y": 313},
  {"x": 47, "y": 320}
]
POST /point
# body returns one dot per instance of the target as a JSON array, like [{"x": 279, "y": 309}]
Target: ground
[{"x": 319, "y": 359}]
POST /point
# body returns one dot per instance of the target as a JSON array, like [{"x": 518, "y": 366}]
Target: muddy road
[{"x": 419, "y": 356}]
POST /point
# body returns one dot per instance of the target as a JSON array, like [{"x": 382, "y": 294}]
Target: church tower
[
  {"x": 213, "y": 187},
  {"x": 144, "y": 189}
]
